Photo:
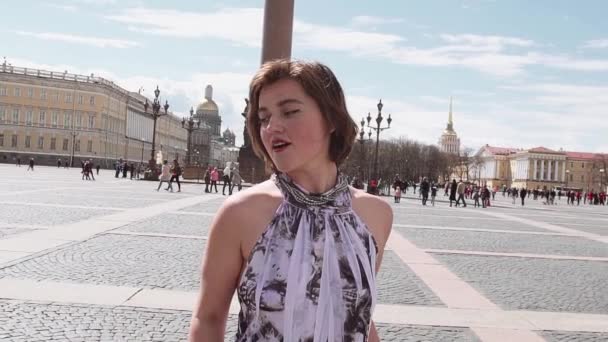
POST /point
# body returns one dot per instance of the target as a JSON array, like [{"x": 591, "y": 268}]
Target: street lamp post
[
  {"x": 378, "y": 129},
  {"x": 189, "y": 125},
  {"x": 143, "y": 141},
  {"x": 602, "y": 171},
  {"x": 567, "y": 177},
  {"x": 362, "y": 141},
  {"x": 156, "y": 113}
]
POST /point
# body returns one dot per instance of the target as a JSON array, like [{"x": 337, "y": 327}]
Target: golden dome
[{"x": 207, "y": 107}]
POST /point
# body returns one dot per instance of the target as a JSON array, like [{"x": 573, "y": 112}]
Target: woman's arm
[{"x": 220, "y": 271}]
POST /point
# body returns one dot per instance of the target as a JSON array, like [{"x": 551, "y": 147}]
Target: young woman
[
  {"x": 301, "y": 249},
  {"x": 165, "y": 175}
]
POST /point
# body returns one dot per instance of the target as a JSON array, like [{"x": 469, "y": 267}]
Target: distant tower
[
  {"x": 449, "y": 141},
  {"x": 208, "y": 113}
]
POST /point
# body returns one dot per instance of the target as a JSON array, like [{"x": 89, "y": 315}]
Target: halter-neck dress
[{"x": 311, "y": 275}]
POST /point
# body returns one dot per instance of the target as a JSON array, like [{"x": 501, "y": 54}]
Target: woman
[
  {"x": 176, "y": 171},
  {"x": 301, "y": 249},
  {"x": 237, "y": 180},
  {"x": 165, "y": 175},
  {"x": 215, "y": 176}
]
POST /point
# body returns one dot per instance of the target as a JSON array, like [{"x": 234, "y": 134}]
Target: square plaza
[{"x": 115, "y": 260}]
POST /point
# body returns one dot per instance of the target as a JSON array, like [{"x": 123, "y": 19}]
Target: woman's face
[{"x": 292, "y": 128}]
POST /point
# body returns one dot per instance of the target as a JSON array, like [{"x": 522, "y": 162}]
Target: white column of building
[
  {"x": 564, "y": 171},
  {"x": 556, "y": 178},
  {"x": 535, "y": 169},
  {"x": 549, "y": 169},
  {"x": 542, "y": 169}
]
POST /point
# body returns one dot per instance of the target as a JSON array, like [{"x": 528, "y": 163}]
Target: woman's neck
[{"x": 317, "y": 180}]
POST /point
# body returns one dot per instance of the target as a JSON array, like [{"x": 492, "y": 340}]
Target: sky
[{"x": 521, "y": 73}]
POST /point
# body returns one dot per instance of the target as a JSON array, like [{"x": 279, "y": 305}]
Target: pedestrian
[
  {"x": 453, "y": 189},
  {"x": 125, "y": 168},
  {"x": 31, "y": 165},
  {"x": 97, "y": 167},
  {"x": 523, "y": 194},
  {"x": 460, "y": 191},
  {"x": 227, "y": 179},
  {"x": 58, "y": 163},
  {"x": 18, "y": 162},
  {"x": 207, "y": 179},
  {"x": 132, "y": 170},
  {"x": 117, "y": 167},
  {"x": 215, "y": 176},
  {"x": 237, "y": 180},
  {"x": 476, "y": 196},
  {"x": 425, "y": 187},
  {"x": 176, "y": 172},
  {"x": 433, "y": 194},
  {"x": 90, "y": 169},
  {"x": 165, "y": 176},
  {"x": 397, "y": 194},
  {"x": 310, "y": 275}
]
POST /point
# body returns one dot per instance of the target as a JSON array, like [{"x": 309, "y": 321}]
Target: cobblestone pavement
[
  {"x": 568, "y": 336},
  {"x": 535, "y": 284},
  {"x": 129, "y": 253}
]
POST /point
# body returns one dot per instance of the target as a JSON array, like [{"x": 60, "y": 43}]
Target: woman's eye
[
  {"x": 264, "y": 120},
  {"x": 290, "y": 112}
]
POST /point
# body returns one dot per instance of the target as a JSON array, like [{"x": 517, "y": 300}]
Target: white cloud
[
  {"x": 366, "y": 20},
  {"x": 242, "y": 26},
  {"x": 596, "y": 44},
  {"x": 475, "y": 39},
  {"x": 67, "y": 8},
  {"x": 85, "y": 40},
  {"x": 96, "y": 2}
]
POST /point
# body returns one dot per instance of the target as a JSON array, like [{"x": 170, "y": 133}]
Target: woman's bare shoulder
[
  {"x": 375, "y": 212},
  {"x": 256, "y": 198}
]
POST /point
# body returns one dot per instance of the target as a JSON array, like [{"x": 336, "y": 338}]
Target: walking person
[
  {"x": 18, "y": 162},
  {"x": 397, "y": 194},
  {"x": 523, "y": 194},
  {"x": 295, "y": 248},
  {"x": 31, "y": 165},
  {"x": 476, "y": 196},
  {"x": 165, "y": 176},
  {"x": 125, "y": 169},
  {"x": 207, "y": 179},
  {"x": 227, "y": 179},
  {"x": 98, "y": 167},
  {"x": 176, "y": 172},
  {"x": 132, "y": 170},
  {"x": 58, "y": 163},
  {"x": 237, "y": 180},
  {"x": 460, "y": 191},
  {"x": 453, "y": 189},
  {"x": 215, "y": 176},
  {"x": 433, "y": 194},
  {"x": 425, "y": 187}
]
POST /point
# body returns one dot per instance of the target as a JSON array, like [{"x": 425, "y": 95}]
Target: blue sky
[{"x": 522, "y": 73}]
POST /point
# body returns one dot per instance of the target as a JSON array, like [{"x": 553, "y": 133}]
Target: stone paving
[{"x": 452, "y": 270}]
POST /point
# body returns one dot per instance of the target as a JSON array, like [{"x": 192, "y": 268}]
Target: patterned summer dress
[{"x": 311, "y": 275}]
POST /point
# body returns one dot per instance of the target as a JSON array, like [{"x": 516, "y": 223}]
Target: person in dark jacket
[
  {"x": 522, "y": 194},
  {"x": 453, "y": 188},
  {"x": 425, "y": 187}
]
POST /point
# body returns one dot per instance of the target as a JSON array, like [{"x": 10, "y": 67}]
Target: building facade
[
  {"x": 539, "y": 168},
  {"x": 51, "y": 116},
  {"x": 449, "y": 141}
]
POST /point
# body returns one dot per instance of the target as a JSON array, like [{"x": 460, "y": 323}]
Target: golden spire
[{"x": 450, "y": 127}]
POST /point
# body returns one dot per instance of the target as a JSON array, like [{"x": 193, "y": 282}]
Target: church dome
[{"x": 208, "y": 107}]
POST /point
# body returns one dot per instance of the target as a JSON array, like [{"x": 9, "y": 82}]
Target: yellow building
[
  {"x": 539, "y": 168},
  {"x": 51, "y": 116}
]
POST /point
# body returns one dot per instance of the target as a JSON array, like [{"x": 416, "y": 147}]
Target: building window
[
  {"x": 67, "y": 120},
  {"x": 56, "y": 97},
  {"x": 90, "y": 146},
  {"x": 91, "y": 121},
  {"x": 92, "y": 100},
  {"x": 77, "y": 145},
  {"x": 30, "y": 92},
  {"x": 1, "y": 140},
  {"x": 78, "y": 120},
  {"x": 68, "y": 98},
  {"x": 16, "y": 116},
  {"x": 40, "y": 142},
  {"x": 28, "y": 141},
  {"x": 2, "y": 114},
  {"x": 29, "y": 117},
  {"x": 17, "y": 92},
  {"x": 42, "y": 118},
  {"x": 43, "y": 94},
  {"x": 65, "y": 144},
  {"x": 583, "y": 165},
  {"x": 2, "y": 90},
  {"x": 571, "y": 178},
  {"x": 14, "y": 140},
  {"x": 54, "y": 118},
  {"x": 80, "y": 99},
  {"x": 53, "y": 143}
]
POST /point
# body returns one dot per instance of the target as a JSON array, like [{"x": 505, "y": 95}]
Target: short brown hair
[{"x": 320, "y": 83}]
